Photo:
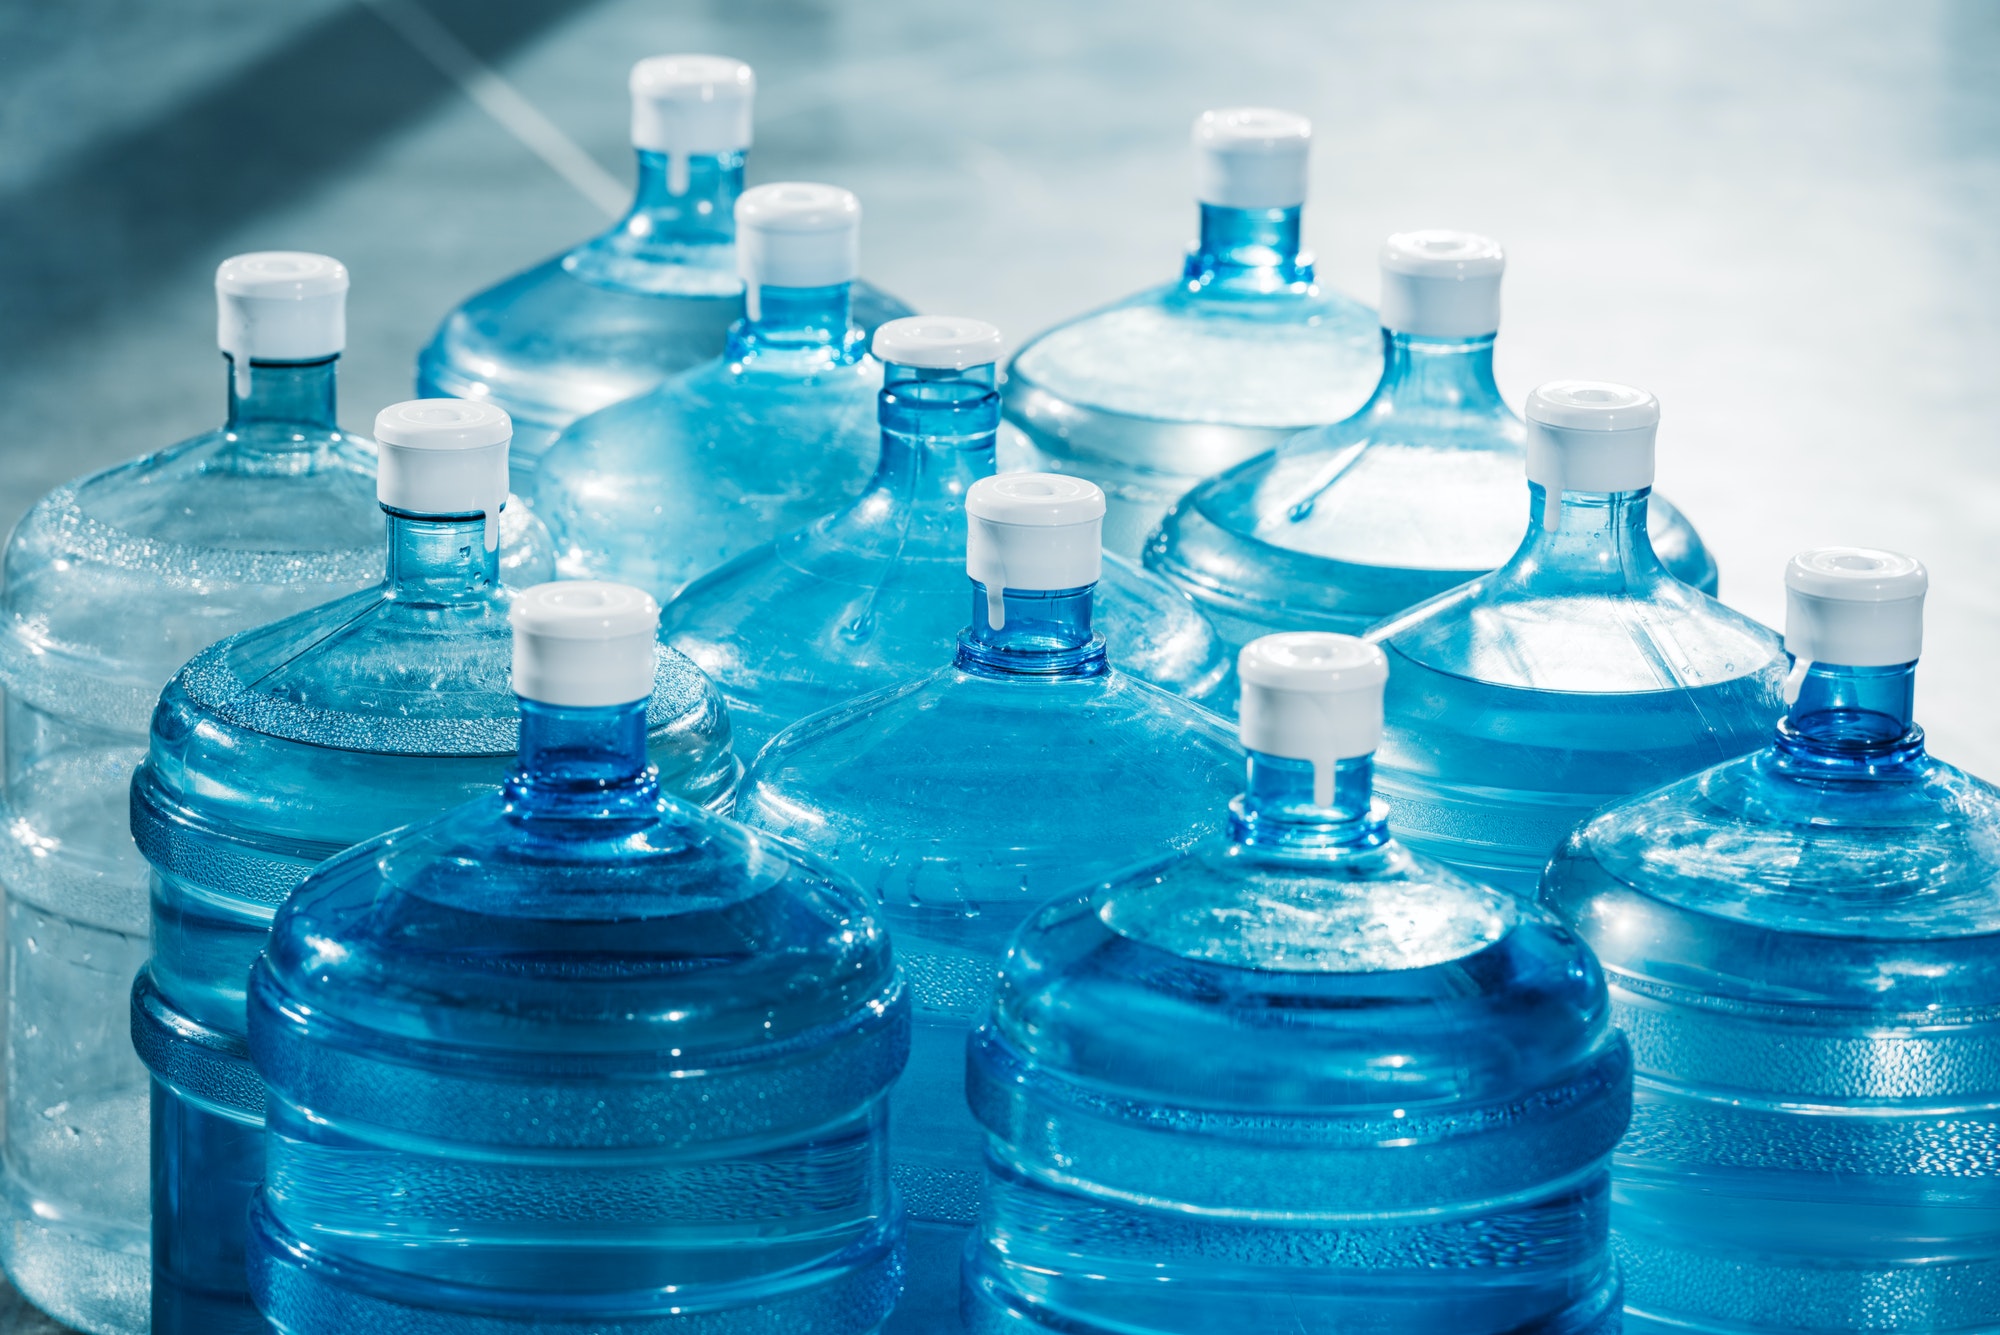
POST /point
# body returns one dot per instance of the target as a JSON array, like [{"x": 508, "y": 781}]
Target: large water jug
[
  {"x": 1579, "y": 672},
  {"x": 653, "y": 295},
  {"x": 1416, "y": 493},
  {"x": 1804, "y": 945},
  {"x": 279, "y": 747},
  {"x": 577, "y": 1056},
  {"x": 1150, "y": 395},
  {"x": 874, "y": 593},
  {"x": 746, "y": 446},
  {"x": 1297, "y": 1078},
  {"x": 966, "y": 796}
]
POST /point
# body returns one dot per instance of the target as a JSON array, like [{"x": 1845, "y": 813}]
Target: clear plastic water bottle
[
  {"x": 1579, "y": 672},
  {"x": 112, "y": 582},
  {"x": 874, "y": 593},
  {"x": 279, "y": 747},
  {"x": 1802, "y": 944},
  {"x": 575, "y": 1055},
  {"x": 1297, "y": 1078},
  {"x": 965, "y": 797},
  {"x": 1150, "y": 395},
  {"x": 653, "y": 295},
  {"x": 1416, "y": 493},
  {"x": 746, "y": 446}
]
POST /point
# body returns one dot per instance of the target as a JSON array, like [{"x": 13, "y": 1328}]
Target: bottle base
[{"x": 99, "y": 1282}]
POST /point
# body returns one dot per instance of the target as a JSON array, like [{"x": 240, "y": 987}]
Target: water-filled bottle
[
  {"x": 966, "y": 796},
  {"x": 1416, "y": 493},
  {"x": 1579, "y": 672},
  {"x": 1297, "y": 1078},
  {"x": 281, "y": 746},
  {"x": 576, "y": 1055},
  {"x": 1151, "y": 394},
  {"x": 1804, "y": 945}
]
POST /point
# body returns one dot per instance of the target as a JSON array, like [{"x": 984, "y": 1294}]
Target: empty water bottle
[
  {"x": 1801, "y": 943},
  {"x": 576, "y": 1056},
  {"x": 112, "y": 582},
  {"x": 746, "y": 446},
  {"x": 874, "y": 593},
  {"x": 1579, "y": 672},
  {"x": 1416, "y": 493},
  {"x": 965, "y": 797},
  {"x": 653, "y": 295},
  {"x": 279, "y": 747},
  {"x": 1297, "y": 1078},
  {"x": 1150, "y": 395}
]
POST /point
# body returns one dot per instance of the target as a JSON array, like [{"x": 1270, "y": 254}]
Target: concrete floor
[{"x": 1778, "y": 216}]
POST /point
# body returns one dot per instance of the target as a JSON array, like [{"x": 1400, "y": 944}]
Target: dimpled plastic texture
[
  {"x": 963, "y": 798},
  {"x": 1802, "y": 944},
  {"x": 271, "y": 752},
  {"x": 1296, "y": 1079},
  {"x": 1579, "y": 672},
  {"x": 576, "y": 1056},
  {"x": 874, "y": 593},
  {"x": 612, "y": 318}
]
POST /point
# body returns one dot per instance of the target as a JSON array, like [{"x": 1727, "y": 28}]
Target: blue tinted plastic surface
[
  {"x": 612, "y": 318},
  {"x": 874, "y": 593},
  {"x": 1298, "y": 1079},
  {"x": 1579, "y": 672},
  {"x": 742, "y": 448},
  {"x": 1149, "y": 396},
  {"x": 576, "y": 1056},
  {"x": 963, "y": 799},
  {"x": 272, "y": 751},
  {"x": 1804, "y": 945},
  {"x": 1344, "y": 525}
]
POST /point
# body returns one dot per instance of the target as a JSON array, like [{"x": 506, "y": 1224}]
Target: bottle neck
[
  {"x": 434, "y": 560},
  {"x": 1851, "y": 718},
  {"x": 293, "y": 397},
  {"x": 582, "y": 762},
  {"x": 806, "y": 325},
  {"x": 1449, "y": 376},
  {"x": 1280, "y": 810},
  {"x": 1595, "y": 539},
  {"x": 1248, "y": 250},
  {"x": 939, "y": 430},
  {"x": 1043, "y": 634},
  {"x": 689, "y": 201}
]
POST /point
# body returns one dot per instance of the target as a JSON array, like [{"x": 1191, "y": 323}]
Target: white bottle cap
[
  {"x": 1032, "y": 532},
  {"x": 1440, "y": 284},
  {"x": 1588, "y": 435},
  {"x": 937, "y": 342},
  {"x": 683, "y": 105},
  {"x": 1312, "y": 695},
  {"x": 1251, "y": 158},
  {"x": 1852, "y": 606},
  {"x": 584, "y": 643},
  {"x": 796, "y": 234},
  {"x": 279, "y": 306},
  {"x": 444, "y": 457}
]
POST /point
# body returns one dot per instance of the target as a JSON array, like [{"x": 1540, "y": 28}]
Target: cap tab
[
  {"x": 1440, "y": 284},
  {"x": 686, "y": 105},
  {"x": 1032, "y": 532},
  {"x": 937, "y": 342},
  {"x": 444, "y": 457},
  {"x": 1590, "y": 435},
  {"x": 1853, "y": 606},
  {"x": 584, "y": 644},
  {"x": 1251, "y": 158},
  {"x": 1312, "y": 695},
  {"x": 796, "y": 234},
  {"x": 279, "y": 306}
]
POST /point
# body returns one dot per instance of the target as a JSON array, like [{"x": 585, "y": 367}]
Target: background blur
[{"x": 1780, "y": 217}]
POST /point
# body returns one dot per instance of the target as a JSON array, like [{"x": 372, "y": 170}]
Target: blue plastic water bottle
[
  {"x": 1579, "y": 672},
  {"x": 1150, "y": 395},
  {"x": 577, "y": 1056},
  {"x": 874, "y": 593},
  {"x": 1297, "y": 1078},
  {"x": 653, "y": 295},
  {"x": 746, "y": 446},
  {"x": 965, "y": 797},
  {"x": 1416, "y": 493},
  {"x": 1804, "y": 945},
  {"x": 279, "y": 747}
]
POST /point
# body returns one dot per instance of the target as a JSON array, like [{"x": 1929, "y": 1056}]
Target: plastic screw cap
[
  {"x": 1854, "y": 606},
  {"x": 1312, "y": 695},
  {"x": 1439, "y": 284},
  {"x": 1590, "y": 435},
  {"x": 584, "y": 643},
  {"x": 1251, "y": 158},
  {"x": 684, "y": 105},
  {"x": 279, "y": 306},
  {"x": 796, "y": 234},
  {"x": 937, "y": 342},
  {"x": 1032, "y": 532},
  {"x": 441, "y": 457}
]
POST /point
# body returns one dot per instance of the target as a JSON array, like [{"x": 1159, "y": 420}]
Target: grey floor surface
[{"x": 1781, "y": 217}]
